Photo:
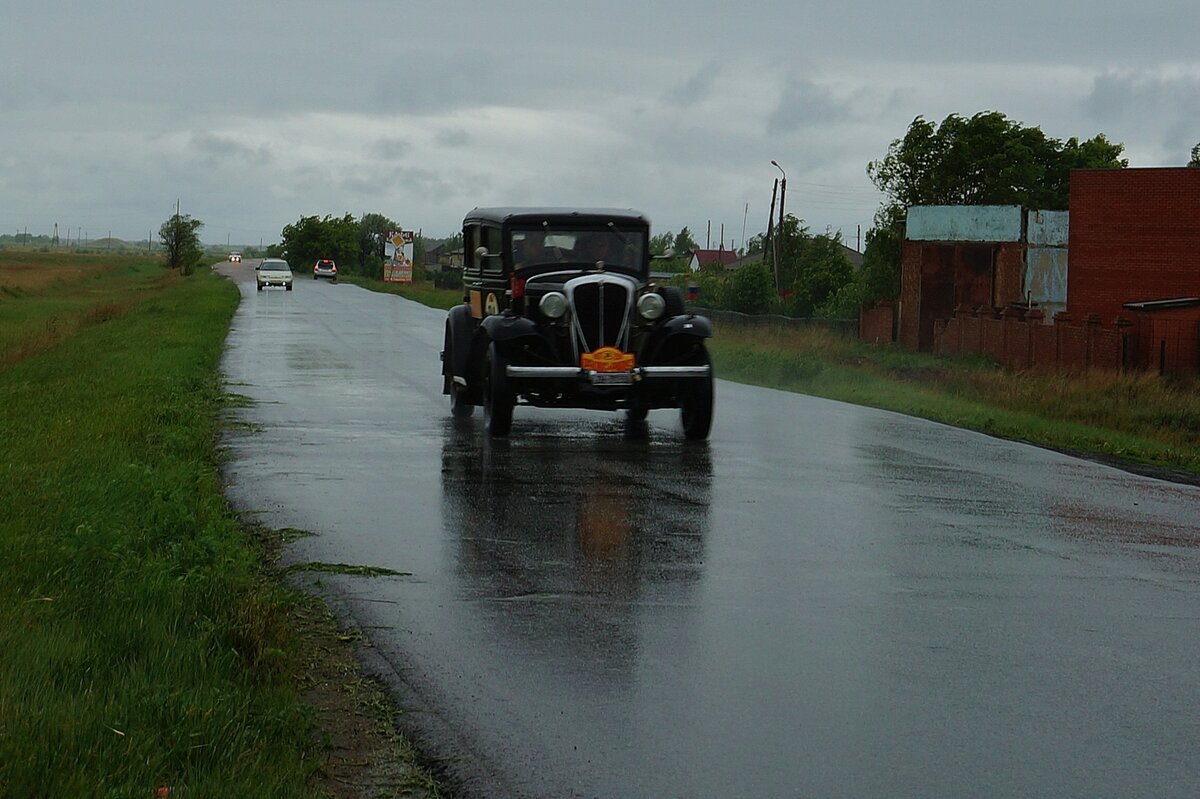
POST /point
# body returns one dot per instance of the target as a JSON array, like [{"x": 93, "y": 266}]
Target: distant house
[
  {"x": 854, "y": 257},
  {"x": 749, "y": 258},
  {"x": 702, "y": 258},
  {"x": 432, "y": 254}
]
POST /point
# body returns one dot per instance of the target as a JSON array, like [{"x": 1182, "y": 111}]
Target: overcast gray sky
[{"x": 254, "y": 114}]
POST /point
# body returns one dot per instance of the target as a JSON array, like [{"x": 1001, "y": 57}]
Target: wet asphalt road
[{"x": 824, "y": 601}]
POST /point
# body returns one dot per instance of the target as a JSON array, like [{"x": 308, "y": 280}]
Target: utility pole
[
  {"x": 779, "y": 229},
  {"x": 771, "y": 233},
  {"x": 745, "y": 214}
]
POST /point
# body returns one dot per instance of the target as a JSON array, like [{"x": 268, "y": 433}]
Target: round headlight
[
  {"x": 553, "y": 304},
  {"x": 651, "y": 305}
]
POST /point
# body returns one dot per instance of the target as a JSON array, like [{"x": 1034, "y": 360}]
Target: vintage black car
[{"x": 559, "y": 311}]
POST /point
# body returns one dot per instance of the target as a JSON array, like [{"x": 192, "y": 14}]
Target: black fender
[
  {"x": 460, "y": 331},
  {"x": 676, "y": 341},
  {"x": 687, "y": 325},
  {"x": 505, "y": 329}
]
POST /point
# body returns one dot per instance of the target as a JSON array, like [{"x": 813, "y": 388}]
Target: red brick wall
[
  {"x": 1134, "y": 236},
  {"x": 1168, "y": 340},
  {"x": 1010, "y": 273},
  {"x": 909, "y": 333},
  {"x": 1018, "y": 340},
  {"x": 875, "y": 324}
]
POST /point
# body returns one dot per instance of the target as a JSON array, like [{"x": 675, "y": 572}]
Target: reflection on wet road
[{"x": 824, "y": 600}]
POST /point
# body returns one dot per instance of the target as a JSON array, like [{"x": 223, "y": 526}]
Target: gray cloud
[
  {"x": 805, "y": 104},
  {"x": 1126, "y": 98},
  {"x": 696, "y": 88},
  {"x": 391, "y": 149}
]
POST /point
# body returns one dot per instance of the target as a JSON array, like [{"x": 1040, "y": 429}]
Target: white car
[
  {"x": 273, "y": 272},
  {"x": 235, "y": 257}
]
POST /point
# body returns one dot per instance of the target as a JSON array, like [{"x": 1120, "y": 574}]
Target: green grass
[
  {"x": 143, "y": 644},
  {"x": 1138, "y": 418},
  {"x": 422, "y": 291}
]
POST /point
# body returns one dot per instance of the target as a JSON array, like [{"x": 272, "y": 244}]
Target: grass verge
[
  {"x": 1131, "y": 420},
  {"x": 149, "y": 644},
  {"x": 422, "y": 291}
]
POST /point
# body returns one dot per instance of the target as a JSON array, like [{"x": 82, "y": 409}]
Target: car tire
[
  {"x": 289, "y": 286},
  {"x": 498, "y": 396},
  {"x": 314, "y": 277},
  {"x": 637, "y": 414},
  {"x": 259, "y": 286},
  {"x": 696, "y": 409}
]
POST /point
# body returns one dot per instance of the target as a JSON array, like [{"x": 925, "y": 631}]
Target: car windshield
[
  {"x": 552, "y": 245},
  {"x": 276, "y": 266}
]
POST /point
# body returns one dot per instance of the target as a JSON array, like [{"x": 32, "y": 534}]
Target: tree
[
  {"x": 180, "y": 237},
  {"x": 812, "y": 268},
  {"x": 987, "y": 159},
  {"x": 1195, "y": 162},
  {"x": 684, "y": 243},
  {"x": 372, "y": 229},
  {"x": 661, "y": 243},
  {"x": 311, "y": 238},
  {"x": 751, "y": 289}
]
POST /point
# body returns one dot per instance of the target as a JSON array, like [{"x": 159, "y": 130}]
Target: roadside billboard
[{"x": 398, "y": 257}]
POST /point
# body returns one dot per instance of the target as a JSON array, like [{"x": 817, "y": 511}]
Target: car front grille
[{"x": 600, "y": 312}]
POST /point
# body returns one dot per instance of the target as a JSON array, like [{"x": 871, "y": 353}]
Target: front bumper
[{"x": 578, "y": 373}]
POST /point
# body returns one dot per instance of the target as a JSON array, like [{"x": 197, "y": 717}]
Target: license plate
[{"x": 612, "y": 378}]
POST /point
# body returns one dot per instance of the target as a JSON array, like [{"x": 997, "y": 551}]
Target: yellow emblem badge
[{"x": 607, "y": 359}]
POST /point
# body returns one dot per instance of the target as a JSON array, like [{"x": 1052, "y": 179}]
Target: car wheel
[
  {"x": 314, "y": 277},
  {"x": 498, "y": 396},
  {"x": 289, "y": 286},
  {"x": 637, "y": 414},
  {"x": 259, "y": 286},
  {"x": 696, "y": 410}
]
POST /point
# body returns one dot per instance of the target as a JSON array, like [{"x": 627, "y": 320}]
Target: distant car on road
[
  {"x": 273, "y": 272},
  {"x": 325, "y": 268},
  {"x": 560, "y": 311},
  {"x": 235, "y": 257}
]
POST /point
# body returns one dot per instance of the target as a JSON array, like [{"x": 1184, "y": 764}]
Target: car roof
[{"x": 537, "y": 215}]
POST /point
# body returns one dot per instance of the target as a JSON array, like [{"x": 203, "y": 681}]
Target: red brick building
[
  {"x": 972, "y": 283},
  {"x": 1135, "y": 254},
  {"x": 1135, "y": 237}
]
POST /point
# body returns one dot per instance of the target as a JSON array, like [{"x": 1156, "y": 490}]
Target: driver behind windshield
[
  {"x": 602, "y": 247},
  {"x": 530, "y": 249}
]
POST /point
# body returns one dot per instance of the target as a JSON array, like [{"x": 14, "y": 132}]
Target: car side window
[
  {"x": 471, "y": 238},
  {"x": 493, "y": 240}
]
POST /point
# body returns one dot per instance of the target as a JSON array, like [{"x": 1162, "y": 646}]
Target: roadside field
[
  {"x": 149, "y": 647},
  {"x": 47, "y": 297}
]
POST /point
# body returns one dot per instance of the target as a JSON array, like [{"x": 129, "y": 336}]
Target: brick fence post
[
  {"x": 1127, "y": 336},
  {"x": 1062, "y": 320},
  {"x": 1092, "y": 326},
  {"x": 1034, "y": 320}
]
